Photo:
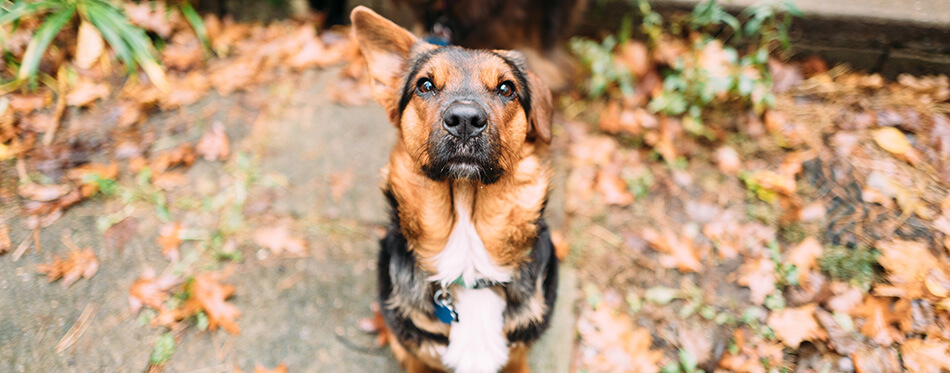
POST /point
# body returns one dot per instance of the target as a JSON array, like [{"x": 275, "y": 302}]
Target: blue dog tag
[
  {"x": 446, "y": 314},
  {"x": 443, "y": 307}
]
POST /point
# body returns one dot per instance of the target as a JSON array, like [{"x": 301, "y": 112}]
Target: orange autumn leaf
[
  {"x": 277, "y": 238},
  {"x": 805, "y": 257},
  {"x": 879, "y": 319},
  {"x": 214, "y": 145},
  {"x": 759, "y": 276},
  {"x": 930, "y": 356},
  {"x": 794, "y": 325},
  {"x": 5, "y": 242},
  {"x": 86, "y": 92},
  {"x": 281, "y": 368},
  {"x": 169, "y": 238},
  {"x": 613, "y": 343},
  {"x": 209, "y": 295},
  {"x": 613, "y": 189},
  {"x": 80, "y": 263},
  {"x": 680, "y": 252},
  {"x": 907, "y": 264},
  {"x": 150, "y": 290}
]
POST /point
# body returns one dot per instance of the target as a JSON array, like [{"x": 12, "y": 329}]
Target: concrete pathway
[{"x": 302, "y": 312}]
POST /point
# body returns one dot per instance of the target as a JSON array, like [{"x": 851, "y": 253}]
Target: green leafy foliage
[
  {"x": 598, "y": 57},
  {"x": 855, "y": 265},
  {"x": 164, "y": 348}
]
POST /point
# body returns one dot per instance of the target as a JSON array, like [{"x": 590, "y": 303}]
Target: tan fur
[{"x": 505, "y": 212}]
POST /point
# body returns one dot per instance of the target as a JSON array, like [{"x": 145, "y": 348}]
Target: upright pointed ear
[
  {"x": 386, "y": 47},
  {"x": 541, "y": 112}
]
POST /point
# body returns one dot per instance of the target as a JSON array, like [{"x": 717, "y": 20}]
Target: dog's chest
[{"x": 477, "y": 342}]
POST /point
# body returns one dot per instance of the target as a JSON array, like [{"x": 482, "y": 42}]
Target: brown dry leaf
[
  {"x": 635, "y": 56},
  {"x": 907, "y": 264},
  {"x": 610, "y": 342},
  {"x": 794, "y": 325},
  {"x": 86, "y": 91},
  {"x": 88, "y": 174},
  {"x": 277, "y": 238},
  {"x": 340, "y": 183},
  {"x": 28, "y": 103},
  {"x": 280, "y": 368},
  {"x": 561, "y": 245},
  {"x": 843, "y": 341},
  {"x": 805, "y": 257},
  {"x": 81, "y": 263},
  {"x": 930, "y": 356},
  {"x": 186, "y": 91},
  {"x": 680, "y": 253},
  {"x": 728, "y": 160},
  {"x": 894, "y": 141},
  {"x": 183, "y": 53},
  {"x": 209, "y": 295},
  {"x": 759, "y": 276},
  {"x": 613, "y": 188},
  {"x": 879, "y": 320},
  {"x": 43, "y": 193},
  {"x": 5, "y": 242},
  {"x": 696, "y": 341},
  {"x": 875, "y": 360},
  {"x": 229, "y": 76},
  {"x": 183, "y": 155},
  {"x": 214, "y": 145},
  {"x": 846, "y": 299},
  {"x": 750, "y": 355},
  {"x": 89, "y": 45},
  {"x": 152, "y": 16},
  {"x": 169, "y": 238},
  {"x": 150, "y": 290}
]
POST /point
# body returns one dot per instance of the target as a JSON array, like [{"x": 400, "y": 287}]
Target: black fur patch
[
  {"x": 543, "y": 262},
  {"x": 482, "y": 153}
]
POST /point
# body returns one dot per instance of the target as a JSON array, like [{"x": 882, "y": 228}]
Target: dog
[{"x": 467, "y": 272}]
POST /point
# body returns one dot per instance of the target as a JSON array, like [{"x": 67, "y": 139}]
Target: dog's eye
[
  {"x": 506, "y": 88},
  {"x": 424, "y": 85}
]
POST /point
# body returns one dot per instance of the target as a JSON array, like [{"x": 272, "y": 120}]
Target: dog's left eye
[
  {"x": 506, "y": 89},
  {"x": 424, "y": 85}
]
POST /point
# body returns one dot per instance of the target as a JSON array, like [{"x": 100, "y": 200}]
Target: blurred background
[{"x": 740, "y": 186}]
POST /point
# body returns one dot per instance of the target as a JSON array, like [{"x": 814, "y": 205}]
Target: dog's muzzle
[{"x": 464, "y": 120}]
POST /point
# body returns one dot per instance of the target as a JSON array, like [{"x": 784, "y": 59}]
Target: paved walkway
[{"x": 302, "y": 312}]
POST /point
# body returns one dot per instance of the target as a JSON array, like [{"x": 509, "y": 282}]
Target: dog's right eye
[{"x": 424, "y": 85}]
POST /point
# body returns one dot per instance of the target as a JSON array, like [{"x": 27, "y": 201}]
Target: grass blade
[
  {"x": 95, "y": 12},
  {"x": 21, "y": 9},
  {"x": 41, "y": 40},
  {"x": 137, "y": 42},
  {"x": 196, "y": 23}
]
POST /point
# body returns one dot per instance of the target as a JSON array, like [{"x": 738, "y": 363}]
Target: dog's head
[{"x": 462, "y": 114}]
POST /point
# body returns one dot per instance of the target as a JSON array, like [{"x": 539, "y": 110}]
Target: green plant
[
  {"x": 131, "y": 44},
  {"x": 855, "y": 265},
  {"x": 599, "y": 59}
]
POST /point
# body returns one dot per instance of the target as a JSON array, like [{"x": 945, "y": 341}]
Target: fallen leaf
[
  {"x": 169, "y": 238},
  {"x": 209, "y": 295},
  {"x": 759, "y": 276},
  {"x": 907, "y": 264},
  {"x": 613, "y": 189},
  {"x": 926, "y": 356},
  {"x": 89, "y": 45},
  {"x": 80, "y": 263},
  {"x": 610, "y": 342},
  {"x": 214, "y": 145},
  {"x": 895, "y": 142},
  {"x": 86, "y": 91},
  {"x": 879, "y": 319},
  {"x": 875, "y": 359},
  {"x": 680, "y": 252},
  {"x": 842, "y": 340},
  {"x": 43, "y": 193},
  {"x": 183, "y": 155},
  {"x": 805, "y": 257},
  {"x": 150, "y": 290},
  {"x": 728, "y": 160},
  {"x": 277, "y": 238},
  {"x": 696, "y": 341},
  {"x": 280, "y": 368},
  {"x": 5, "y": 242},
  {"x": 794, "y": 325}
]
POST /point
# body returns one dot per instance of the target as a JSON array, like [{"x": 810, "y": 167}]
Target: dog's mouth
[{"x": 474, "y": 159}]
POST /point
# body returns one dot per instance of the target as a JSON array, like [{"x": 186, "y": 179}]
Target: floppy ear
[
  {"x": 386, "y": 47},
  {"x": 541, "y": 111}
]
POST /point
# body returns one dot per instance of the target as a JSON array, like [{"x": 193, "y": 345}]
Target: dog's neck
[{"x": 503, "y": 214}]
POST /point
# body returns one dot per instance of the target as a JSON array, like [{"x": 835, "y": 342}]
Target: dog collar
[{"x": 479, "y": 284}]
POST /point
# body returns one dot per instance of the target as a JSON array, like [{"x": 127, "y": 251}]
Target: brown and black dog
[{"x": 467, "y": 272}]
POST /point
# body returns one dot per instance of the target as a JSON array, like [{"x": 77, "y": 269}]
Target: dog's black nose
[{"x": 464, "y": 120}]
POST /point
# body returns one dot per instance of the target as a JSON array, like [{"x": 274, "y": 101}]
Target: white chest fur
[{"x": 477, "y": 342}]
